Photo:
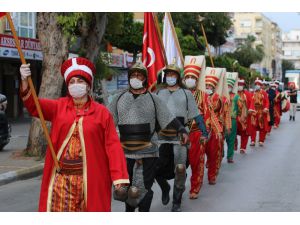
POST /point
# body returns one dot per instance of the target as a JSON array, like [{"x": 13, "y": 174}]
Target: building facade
[
  {"x": 291, "y": 47},
  {"x": 25, "y": 24},
  {"x": 267, "y": 33}
]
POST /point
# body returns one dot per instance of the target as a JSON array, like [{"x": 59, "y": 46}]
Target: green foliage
[
  {"x": 287, "y": 65},
  {"x": 69, "y": 23},
  {"x": 127, "y": 35},
  {"x": 74, "y": 25},
  {"x": 227, "y": 62},
  {"x": 216, "y": 25},
  {"x": 103, "y": 71},
  {"x": 247, "y": 54}
]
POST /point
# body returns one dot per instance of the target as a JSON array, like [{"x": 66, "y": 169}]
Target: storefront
[{"x": 9, "y": 70}]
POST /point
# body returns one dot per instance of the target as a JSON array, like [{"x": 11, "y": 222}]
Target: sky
[{"x": 286, "y": 21}]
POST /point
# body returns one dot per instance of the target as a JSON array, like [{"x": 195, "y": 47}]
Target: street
[{"x": 265, "y": 179}]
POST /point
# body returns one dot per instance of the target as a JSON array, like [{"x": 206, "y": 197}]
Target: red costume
[
  {"x": 212, "y": 117},
  {"x": 197, "y": 150},
  {"x": 260, "y": 117},
  {"x": 277, "y": 109},
  {"x": 92, "y": 133},
  {"x": 194, "y": 66},
  {"x": 243, "y": 118}
]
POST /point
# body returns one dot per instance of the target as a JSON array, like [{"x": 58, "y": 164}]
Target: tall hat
[
  {"x": 277, "y": 82},
  {"x": 241, "y": 82},
  {"x": 265, "y": 82},
  {"x": 78, "y": 67},
  {"x": 258, "y": 82},
  {"x": 195, "y": 66},
  {"x": 223, "y": 82},
  {"x": 232, "y": 80},
  {"x": 213, "y": 77}
]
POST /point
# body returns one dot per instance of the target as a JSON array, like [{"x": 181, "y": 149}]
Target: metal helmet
[
  {"x": 139, "y": 67},
  {"x": 173, "y": 68}
]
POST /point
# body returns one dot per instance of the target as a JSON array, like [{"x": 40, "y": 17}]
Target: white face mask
[
  {"x": 190, "y": 83},
  {"x": 136, "y": 83},
  {"x": 240, "y": 88},
  {"x": 257, "y": 87},
  {"x": 230, "y": 89},
  {"x": 77, "y": 90},
  {"x": 209, "y": 91},
  {"x": 171, "y": 81}
]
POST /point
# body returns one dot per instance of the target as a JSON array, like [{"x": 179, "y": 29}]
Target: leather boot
[
  {"x": 129, "y": 208},
  {"x": 165, "y": 189}
]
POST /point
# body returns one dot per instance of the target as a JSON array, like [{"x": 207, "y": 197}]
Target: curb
[{"x": 21, "y": 174}]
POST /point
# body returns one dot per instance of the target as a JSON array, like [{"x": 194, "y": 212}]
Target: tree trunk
[
  {"x": 55, "y": 51},
  {"x": 91, "y": 40}
]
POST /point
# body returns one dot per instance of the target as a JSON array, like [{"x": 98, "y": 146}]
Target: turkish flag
[
  {"x": 2, "y": 14},
  {"x": 152, "y": 56}
]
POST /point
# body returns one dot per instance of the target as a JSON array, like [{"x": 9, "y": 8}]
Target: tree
[
  {"x": 129, "y": 35},
  {"x": 55, "y": 51},
  {"x": 247, "y": 54},
  {"x": 216, "y": 25},
  {"x": 56, "y": 31},
  {"x": 287, "y": 65}
]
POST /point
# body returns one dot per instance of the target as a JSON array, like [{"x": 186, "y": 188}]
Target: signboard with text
[{"x": 31, "y": 48}]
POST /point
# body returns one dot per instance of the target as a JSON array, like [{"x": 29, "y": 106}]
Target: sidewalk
[{"x": 13, "y": 165}]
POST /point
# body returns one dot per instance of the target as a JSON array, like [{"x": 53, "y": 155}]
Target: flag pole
[
  {"x": 160, "y": 37},
  {"x": 35, "y": 98},
  {"x": 206, "y": 42},
  {"x": 176, "y": 38}
]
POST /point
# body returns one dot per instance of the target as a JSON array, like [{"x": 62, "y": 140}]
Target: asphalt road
[{"x": 265, "y": 179}]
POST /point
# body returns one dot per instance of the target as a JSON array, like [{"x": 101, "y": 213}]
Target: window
[
  {"x": 26, "y": 26},
  {"x": 24, "y": 23},
  {"x": 287, "y": 53},
  {"x": 296, "y": 53},
  {"x": 245, "y": 23},
  {"x": 258, "y": 23}
]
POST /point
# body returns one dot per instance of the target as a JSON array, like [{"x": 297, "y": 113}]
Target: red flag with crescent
[
  {"x": 152, "y": 57},
  {"x": 2, "y": 14}
]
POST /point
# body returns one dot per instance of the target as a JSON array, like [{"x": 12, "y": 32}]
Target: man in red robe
[
  {"x": 277, "y": 106},
  {"x": 213, "y": 112},
  {"x": 102, "y": 159},
  {"x": 243, "y": 118},
  {"x": 259, "y": 110}
]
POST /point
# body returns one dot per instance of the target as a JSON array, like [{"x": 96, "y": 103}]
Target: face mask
[
  {"x": 209, "y": 91},
  {"x": 230, "y": 89},
  {"x": 257, "y": 87},
  {"x": 171, "y": 81},
  {"x": 136, "y": 83},
  {"x": 77, "y": 90},
  {"x": 190, "y": 83},
  {"x": 240, "y": 88}
]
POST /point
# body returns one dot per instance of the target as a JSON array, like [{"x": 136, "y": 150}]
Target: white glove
[{"x": 25, "y": 71}]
